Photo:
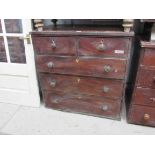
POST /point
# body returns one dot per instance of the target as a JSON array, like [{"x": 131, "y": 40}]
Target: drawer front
[
  {"x": 142, "y": 115},
  {"x": 149, "y": 57},
  {"x": 104, "y": 46},
  {"x": 83, "y": 104},
  {"x": 82, "y": 85},
  {"x": 144, "y": 96},
  {"x": 97, "y": 67},
  {"x": 54, "y": 45},
  {"x": 146, "y": 78}
]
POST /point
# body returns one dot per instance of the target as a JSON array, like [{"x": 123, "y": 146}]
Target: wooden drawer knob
[
  {"x": 154, "y": 79},
  {"x": 146, "y": 117},
  {"x": 53, "y": 83},
  {"x": 105, "y": 107},
  {"x": 50, "y": 64},
  {"x": 55, "y": 101},
  {"x": 107, "y": 69},
  {"x": 152, "y": 99},
  {"x": 106, "y": 89},
  {"x": 101, "y": 47}
]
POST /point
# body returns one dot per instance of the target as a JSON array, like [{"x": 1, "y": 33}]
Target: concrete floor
[{"x": 16, "y": 119}]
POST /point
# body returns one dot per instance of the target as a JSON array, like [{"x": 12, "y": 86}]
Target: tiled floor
[{"x": 16, "y": 119}]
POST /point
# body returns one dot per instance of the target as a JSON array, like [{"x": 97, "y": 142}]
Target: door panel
[
  {"x": 16, "y": 50},
  {"x": 11, "y": 96},
  {"x": 10, "y": 82},
  {"x": 0, "y": 27},
  {"x": 2, "y": 51},
  {"x": 13, "y": 25},
  {"x": 18, "y": 83}
]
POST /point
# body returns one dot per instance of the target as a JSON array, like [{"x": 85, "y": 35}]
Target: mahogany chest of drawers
[
  {"x": 83, "y": 71},
  {"x": 142, "y": 108}
]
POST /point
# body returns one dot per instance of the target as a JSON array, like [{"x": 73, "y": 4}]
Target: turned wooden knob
[
  {"x": 105, "y": 107},
  {"x": 101, "y": 47},
  {"x": 50, "y": 64},
  {"x": 107, "y": 68},
  {"x": 146, "y": 117},
  {"x": 53, "y": 83},
  {"x": 152, "y": 99},
  {"x": 106, "y": 89}
]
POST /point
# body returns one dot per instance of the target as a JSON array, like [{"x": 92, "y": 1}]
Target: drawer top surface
[
  {"x": 150, "y": 44},
  {"x": 83, "y": 31}
]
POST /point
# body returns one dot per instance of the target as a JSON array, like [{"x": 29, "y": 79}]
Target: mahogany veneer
[
  {"x": 142, "y": 108},
  {"x": 83, "y": 71},
  {"x": 82, "y": 85}
]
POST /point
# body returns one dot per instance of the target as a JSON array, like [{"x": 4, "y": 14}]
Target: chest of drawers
[
  {"x": 142, "y": 108},
  {"x": 83, "y": 71}
]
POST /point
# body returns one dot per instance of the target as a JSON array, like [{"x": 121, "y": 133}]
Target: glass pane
[
  {"x": 13, "y": 25},
  {"x": 16, "y": 50},
  {"x": 2, "y": 51},
  {"x": 0, "y": 27}
]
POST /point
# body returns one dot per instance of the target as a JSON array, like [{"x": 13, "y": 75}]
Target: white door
[{"x": 18, "y": 83}]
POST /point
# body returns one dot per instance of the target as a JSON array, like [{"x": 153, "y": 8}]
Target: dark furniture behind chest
[
  {"x": 83, "y": 70},
  {"x": 142, "y": 108}
]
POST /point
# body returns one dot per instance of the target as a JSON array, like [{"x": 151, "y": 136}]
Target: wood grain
[
  {"x": 117, "y": 47},
  {"x": 84, "y": 67},
  {"x": 146, "y": 77},
  {"x": 78, "y": 75},
  {"x": 83, "y": 31},
  {"x": 148, "y": 58},
  {"x": 137, "y": 113},
  {"x": 82, "y": 85},
  {"x": 64, "y": 45},
  {"x": 142, "y": 108},
  {"x": 91, "y": 105},
  {"x": 144, "y": 96}
]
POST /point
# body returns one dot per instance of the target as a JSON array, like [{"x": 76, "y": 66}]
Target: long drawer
[
  {"x": 142, "y": 115},
  {"x": 144, "y": 96},
  {"x": 84, "y": 66},
  {"x": 117, "y": 47},
  {"x": 82, "y": 85},
  {"x": 92, "y": 105}
]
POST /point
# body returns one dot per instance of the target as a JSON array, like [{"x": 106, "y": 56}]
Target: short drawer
[
  {"x": 146, "y": 78},
  {"x": 97, "y": 67},
  {"x": 103, "y": 46},
  {"x": 82, "y": 85},
  {"x": 54, "y": 45},
  {"x": 148, "y": 57},
  {"x": 142, "y": 115},
  {"x": 91, "y": 105},
  {"x": 144, "y": 96}
]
